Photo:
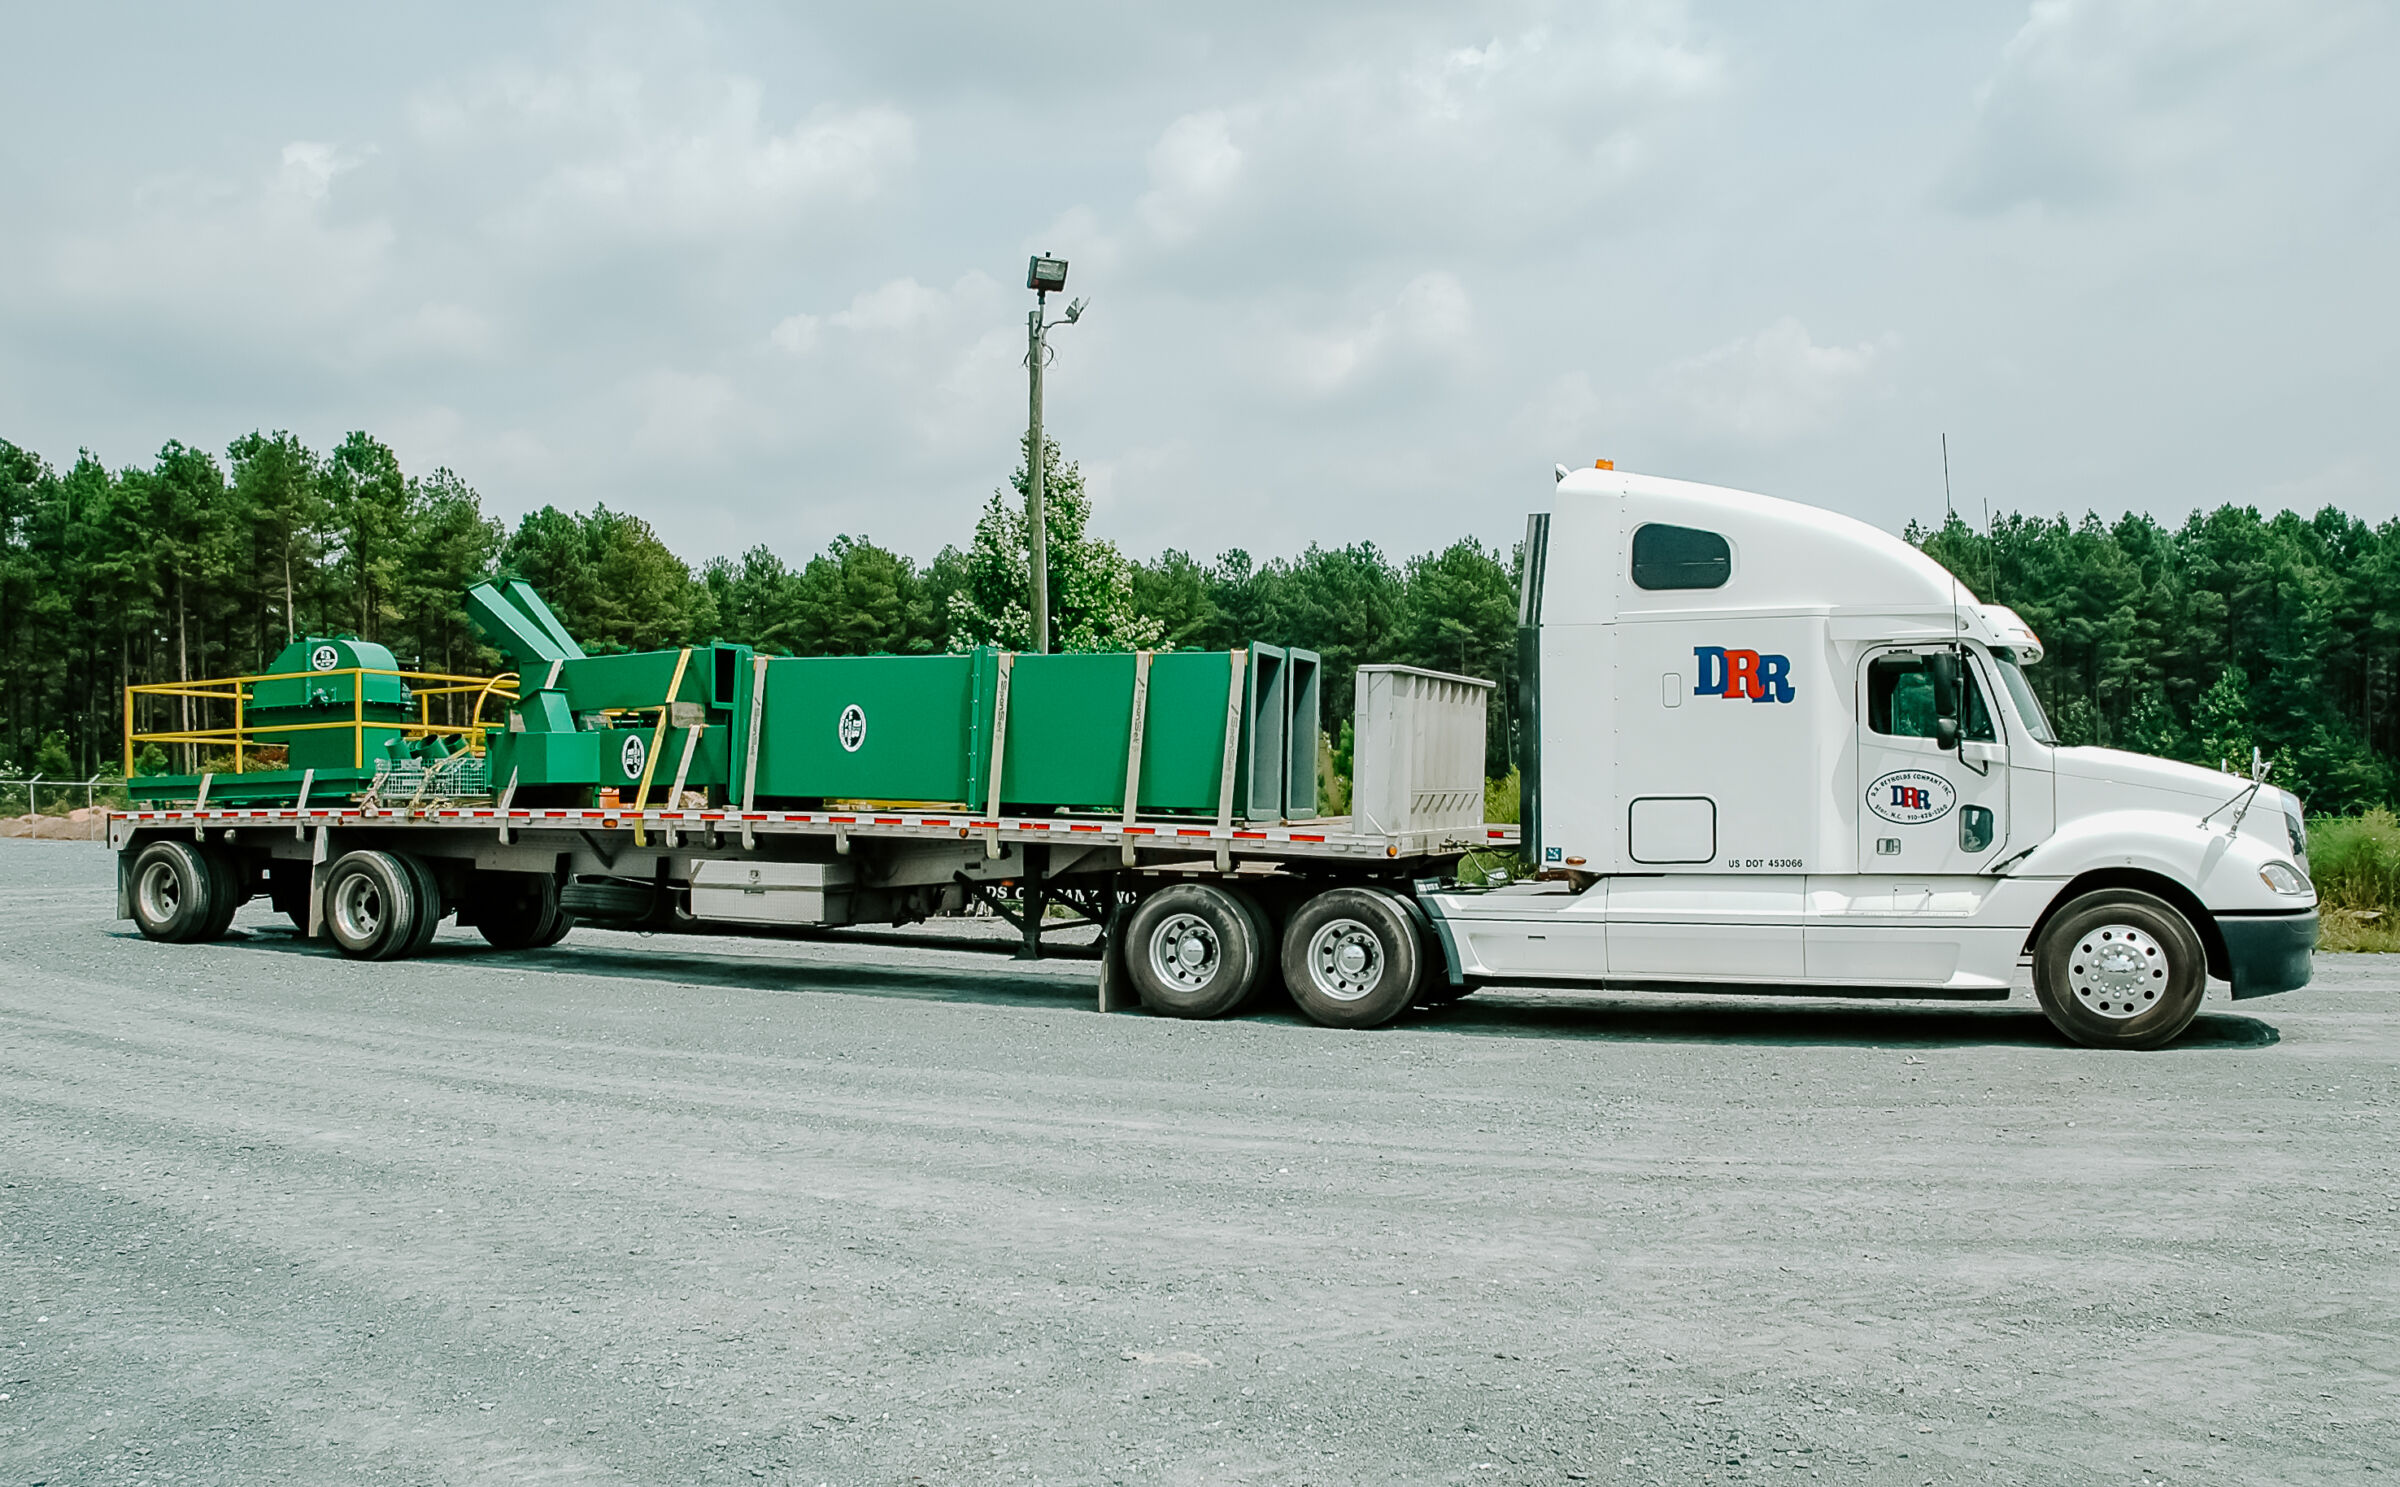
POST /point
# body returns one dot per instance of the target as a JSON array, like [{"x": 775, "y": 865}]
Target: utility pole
[{"x": 1042, "y": 275}]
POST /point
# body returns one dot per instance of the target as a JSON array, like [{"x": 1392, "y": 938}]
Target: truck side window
[
  {"x": 1900, "y": 700},
  {"x": 1667, "y": 557}
]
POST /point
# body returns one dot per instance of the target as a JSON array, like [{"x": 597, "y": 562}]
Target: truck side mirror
[{"x": 1946, "y": 671}]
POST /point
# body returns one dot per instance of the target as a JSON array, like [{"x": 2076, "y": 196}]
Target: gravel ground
[{"x": 695, "y": 1210}]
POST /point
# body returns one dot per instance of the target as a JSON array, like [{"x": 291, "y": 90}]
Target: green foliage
[
  {"x": 2200, "y": 641},
  {"x": 2195, "y": 641},
  {"x": 2355, "y": 861},
  {"x": 1502, "y": 796},
  {"x": 609, "y": 579},
  {"x": 1090, "y": 582}
]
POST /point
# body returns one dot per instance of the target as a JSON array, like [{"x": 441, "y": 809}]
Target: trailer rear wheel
[
  {"x": 1191, "y": 951},
  {"x": 2120, "y": 969},
  {"x": 428, "y": 902},
  {"x": 517, "y": 911},
  {"x": 225, "y": 894},
  {"x": 371, "y": 906},
  {"x": 175, "y": 892},
  {"x": 1262, "y": 930},
  {"x": 1351, "y": 958}
]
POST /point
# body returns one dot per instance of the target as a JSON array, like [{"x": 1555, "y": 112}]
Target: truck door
[{"x": 1926, "y": 809}]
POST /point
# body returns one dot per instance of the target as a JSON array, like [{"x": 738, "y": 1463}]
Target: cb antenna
[{"x": 1949, "y": 519}]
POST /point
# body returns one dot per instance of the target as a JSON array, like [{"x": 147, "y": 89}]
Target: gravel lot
[{"x": 687, "y": 1210}]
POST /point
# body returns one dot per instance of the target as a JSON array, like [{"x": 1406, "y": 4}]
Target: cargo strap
[
  {"x": 758, "y": 705},
  {"x": 991, "y": 838},
  {"x": 1233, "y": 747},
  {"x": 308, "y": 777},
  {"x": 658, "y": 737},
  {"x": 683, "y": 770},
  {"x": 1133, "y": 747}
]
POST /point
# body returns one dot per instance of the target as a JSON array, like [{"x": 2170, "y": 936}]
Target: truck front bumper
[{"x": 2268, "y": 953}]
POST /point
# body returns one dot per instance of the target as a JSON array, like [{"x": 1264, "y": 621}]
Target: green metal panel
[
  {"x": 1183, "y": 743},
  {"x": 870, "y": 728},
  {"x": 1303, "y": 721},
  {"x": 638, "y": 679},
  {"x": 1258, "y": 791},
  {"x": 528, "y": 603},
  {"x": 529, "y": 647},
  {"x": 547, "y": 759},
  {"x": 309, "y": 690},
  {"x": 607, "y": 758},
  {"x": 256, "y": 787},
  {"x": 1069, "y": 721}
]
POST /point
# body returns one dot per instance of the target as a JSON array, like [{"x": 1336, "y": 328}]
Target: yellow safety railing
[{"x": 238, "y": 690}]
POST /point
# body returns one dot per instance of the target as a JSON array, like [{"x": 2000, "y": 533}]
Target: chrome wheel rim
[
  {"x": 1184, "y": 952},
  {"x": 1345, "y": 960},
  {"x": 358, "y": 908},
  {"x": 2117, "y": 971},
  {"x": 160, "y": 892}
]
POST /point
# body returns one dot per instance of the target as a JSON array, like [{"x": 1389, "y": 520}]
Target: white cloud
[
  {"x": 1771, "y": 386},
  {"x": 796, "y": 334},
  {"x": 2093, "y": 97},
  {"x": 1430, "y": 318},
  {"x": 660, "y": 151},
  {"x": 1194, "y": 167},
  {"x": 257, "y": 260},
  {"x": 691, "y": 415}
]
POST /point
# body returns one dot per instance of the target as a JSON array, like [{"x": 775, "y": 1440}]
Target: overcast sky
[{"x": 1356, "y": 271}]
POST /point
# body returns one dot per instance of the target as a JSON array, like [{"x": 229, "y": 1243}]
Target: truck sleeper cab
[{"x": 1772, "y": 749}]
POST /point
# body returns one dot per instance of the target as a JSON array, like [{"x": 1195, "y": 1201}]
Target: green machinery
[
  {"x": 331, "y": 717},
  {"x": 1217, "y": 734},
  {"x": 1209, "y": 733}
]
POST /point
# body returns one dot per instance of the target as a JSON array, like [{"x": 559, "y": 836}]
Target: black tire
[
  {"x": 175, "y": 892},
  {"x": 557, "y": 931},
  {"x": 1352, "y": 958},
  {"x": 1269, "y": 980},
  {"x": 428, "y": 904},
  {"x": 1190, "y": 951},
  {"x": 516, "y": 911},
  {"x": 225, "y": 896},
  {"x": 2120, "y": 969},
  {"x": 371, "y": 906}
]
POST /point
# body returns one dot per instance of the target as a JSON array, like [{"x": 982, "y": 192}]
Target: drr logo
[{"x": 1732, "y": 674}]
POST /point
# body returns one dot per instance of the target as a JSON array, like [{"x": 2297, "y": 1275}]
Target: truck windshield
[{"x": 2029, "y": 707}]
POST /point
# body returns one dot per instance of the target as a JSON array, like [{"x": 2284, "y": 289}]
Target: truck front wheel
[
  {"x": 1192, "y": 951},
  {"x": 2120, "y": 969},
  {"x": 1350, "y": 957}
]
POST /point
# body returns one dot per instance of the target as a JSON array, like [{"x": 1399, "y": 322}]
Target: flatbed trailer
[{"x": 1217, "y": 902}]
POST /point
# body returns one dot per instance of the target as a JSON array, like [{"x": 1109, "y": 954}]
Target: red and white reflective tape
[{"x": 619, "y": 818}]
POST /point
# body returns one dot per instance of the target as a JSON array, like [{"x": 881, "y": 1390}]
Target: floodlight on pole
[{"x": 1045, "y": 276}]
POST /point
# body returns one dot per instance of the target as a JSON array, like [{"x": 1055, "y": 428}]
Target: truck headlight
[{"x": 2283, "y": 878}]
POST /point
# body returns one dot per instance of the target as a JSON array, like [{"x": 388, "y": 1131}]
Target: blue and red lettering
[{"x": 1733, "y": 674}]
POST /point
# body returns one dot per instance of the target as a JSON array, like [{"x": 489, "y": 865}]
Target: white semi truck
[
  {"x": 1765, "y": 749},
  {"x": 1777, "y": 750}
]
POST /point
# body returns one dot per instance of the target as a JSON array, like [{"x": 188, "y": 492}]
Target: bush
[
  {"x": 2355, "y": 861},
  {"x": 1502, "y": 797}
]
